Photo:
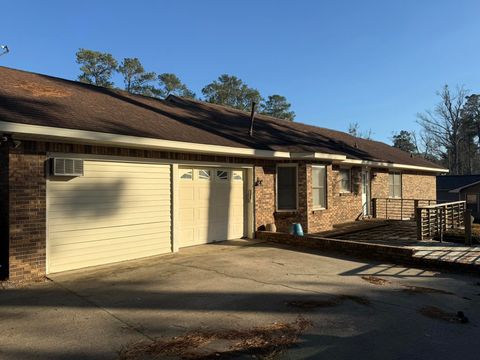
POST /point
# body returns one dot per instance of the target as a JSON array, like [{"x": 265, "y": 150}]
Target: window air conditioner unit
[{"x": 67, "y": 167}]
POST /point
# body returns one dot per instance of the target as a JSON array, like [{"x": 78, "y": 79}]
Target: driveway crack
[
  {"x": 287, "y": 286},
  {"x": 250, "y": 279}
]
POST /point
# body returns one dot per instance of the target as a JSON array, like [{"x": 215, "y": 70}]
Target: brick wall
[
  {"x": 27, "y": 214},
  {"x": 418, "y": 186},
  {"x": 26, "y": 190},
  {"x": 399, "y": 255},
  {"x": 26, "y": 211},
  {"x": 265, "y": 199},
  {"x": 379, "y": 183},
  {"x": 265, "y": 196},
  {"x": 341, "y": 207},
  {"x": 414, "y": 186},
  {"x": 4, "y": 218}
]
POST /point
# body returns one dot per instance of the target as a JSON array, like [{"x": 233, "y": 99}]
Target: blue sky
[{"x": 377, "y": 63}]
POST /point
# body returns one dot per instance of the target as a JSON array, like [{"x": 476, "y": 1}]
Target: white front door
[{"x": 366, "y": 192}]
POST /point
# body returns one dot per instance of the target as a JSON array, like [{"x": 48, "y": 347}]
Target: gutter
[
  {"x": 457, "y": 190},
  {"x": 38, "y": 132},
  {"x": 393, "y": 166}
]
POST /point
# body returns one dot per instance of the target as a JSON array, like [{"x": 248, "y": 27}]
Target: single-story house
[
  {"x": 460, "y": 188},
  {"x": 91, "y": 176}
]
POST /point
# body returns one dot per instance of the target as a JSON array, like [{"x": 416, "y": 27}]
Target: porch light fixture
[
  {"x": 258, "y": 182},
  {"x": 8, "y": 139}
]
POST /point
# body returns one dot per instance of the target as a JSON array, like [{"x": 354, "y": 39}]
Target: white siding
[{"x": 117, "y": 211}]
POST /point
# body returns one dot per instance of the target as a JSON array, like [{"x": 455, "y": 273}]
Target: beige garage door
[
  {"x": 211, "y": 205},
  {"x": 117, "y": 211}
]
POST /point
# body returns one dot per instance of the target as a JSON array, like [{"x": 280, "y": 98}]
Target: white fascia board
[
  {"x": 317, "y": 156},
  {"x": 82, "y": 136},
  {"x": 388, "y": 165}
]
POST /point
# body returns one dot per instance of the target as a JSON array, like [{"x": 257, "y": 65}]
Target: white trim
[
  {"x": 82, "y": 136},
  {"x": 47, "y": 232},
  {"x": 295, "y": 165},
  {"x": 250, "y": 201},
  {"x": 401, "y": 184},
  {"x": 316, "y": 156},
  {"x": 38, "y": 132},
  {"x": 366, "y": 207},
  {"x": 325, "y": 188},
  {"x": 185, "y": 163},
  {"x": 380, "y": 164},
  {"x": 175, "y": 214}
]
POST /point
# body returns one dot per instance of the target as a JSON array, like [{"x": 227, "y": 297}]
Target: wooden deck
[{"x": 403, "y": 234}]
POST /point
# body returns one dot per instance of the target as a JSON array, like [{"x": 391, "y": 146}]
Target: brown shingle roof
[{"x": 37, "y": 99}]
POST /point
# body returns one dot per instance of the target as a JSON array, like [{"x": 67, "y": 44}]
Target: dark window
[{"x": 287, "y": 188}]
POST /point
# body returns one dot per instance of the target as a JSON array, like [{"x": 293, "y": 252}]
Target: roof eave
[
  {"x": 459, "y": 189},
  {"x": 36, "y": 132},
  {"x": 391, "y": 165},
  {"x": 317, "y": 156}
]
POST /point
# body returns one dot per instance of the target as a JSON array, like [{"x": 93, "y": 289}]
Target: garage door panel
[
  {"x": 238, "y": 211},
  {"x": 114, "y": 212},
  {"x": 203, "y": 193},
  {"x": 187, "y": 236},
  {"x": 201, "y": 215},
  {"x": 188, "y": 215},
  {"x": 186, "y": 193},
  {"x": 202, "y": 233},
  {"x": 217, "y": 204}
]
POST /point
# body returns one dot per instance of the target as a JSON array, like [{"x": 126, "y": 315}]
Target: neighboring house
[
  {"x": 161, "y": 175},
  {"x": 458, "y": 188}
]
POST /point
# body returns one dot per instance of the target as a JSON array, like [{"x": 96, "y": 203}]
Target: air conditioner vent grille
[{"x": 67, "y": 167}]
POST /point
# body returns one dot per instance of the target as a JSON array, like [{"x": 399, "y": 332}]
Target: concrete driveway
[{"x": 92, "y": 314}]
